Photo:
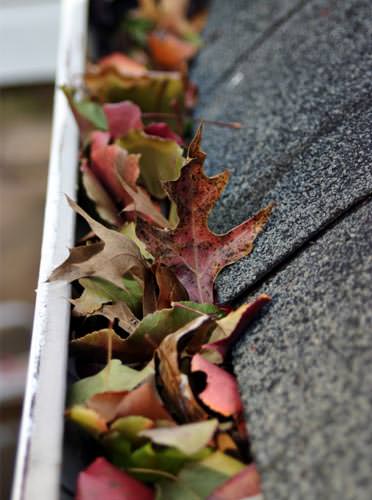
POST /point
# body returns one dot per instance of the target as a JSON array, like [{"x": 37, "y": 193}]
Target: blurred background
[{"x": 28, "y": 49}]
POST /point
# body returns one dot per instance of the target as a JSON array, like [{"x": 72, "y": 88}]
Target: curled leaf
[
  {"x": 221, "y": 391},
  {"x": 161, "y": 159}
]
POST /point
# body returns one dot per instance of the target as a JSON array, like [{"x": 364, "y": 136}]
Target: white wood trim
[{"x": 39, "y": 455}]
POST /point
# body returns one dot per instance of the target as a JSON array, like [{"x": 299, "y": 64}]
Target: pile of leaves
[{"x": 158, "y": 394}]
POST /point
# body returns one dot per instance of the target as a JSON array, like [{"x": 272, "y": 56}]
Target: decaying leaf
[
  {"x": 101, "y": 480},
  {"x": 117, "y": 256},
  {"x": 192, "y": 251},
  {"x": 221, "y": 391},
  {"x": 88, "y": 114},
  {"x": 170, "y": 289},
  {"x": 188, "y": 438},
  {"x": 162, "y": 129},
  {"x": 114, "y": 377},
  {"x": 122, "y": 117},
  {"x": 161, "y": 159},
  {"x": 176, "y": 391},
  {"x": 170, "y": 51}
]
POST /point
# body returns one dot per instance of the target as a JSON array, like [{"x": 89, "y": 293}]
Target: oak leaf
[
  {"x": 116, "y": 256},
  {"x": 194, "y": 253}
]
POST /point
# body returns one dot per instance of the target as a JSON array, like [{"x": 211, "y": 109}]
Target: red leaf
[
  {"x": 107, "y": 159},
  {"x": 122, "y": 117},
  {"x": 144, "y": 401},
  {"x": 169, "y": 51},
  {"x": 244, "y": 485},
  {"x": 103, "y": 481},
  {"x": 161, "y": 129},
  {"x": 221, "y": 393},
  {"x": 123, "y": 65},
  {"x": 192, "y": 251}
]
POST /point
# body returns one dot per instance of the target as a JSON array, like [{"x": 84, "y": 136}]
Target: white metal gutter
[{"x": 39, "y": 454}]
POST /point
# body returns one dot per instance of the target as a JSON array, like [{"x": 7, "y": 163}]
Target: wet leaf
[
  {"x": 192, "y": 251},
  {"x": 246, "y": 484},
  {"x": 161, "y": 159},
  {"x": 221, "y": 393},
  {"x": 188, "y": 438},
  {"x": 103, "y": 481},
  {"x": 111, "y": 262},
  {"x": 114, "y": 377}
]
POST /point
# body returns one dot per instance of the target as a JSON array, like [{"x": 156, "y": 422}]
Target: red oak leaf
[
  {"x": 103, "y": 481},
  {"x": 221, "y": 392},
  {"x": 194, "y": 253}
]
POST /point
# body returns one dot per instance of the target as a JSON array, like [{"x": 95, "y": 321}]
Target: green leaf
[
  {"x": 130, "y": 427},
  {"x": 223, "y": 463},
  {"x": 88, "y": 419},
  {"x": 98, "y": 291},
  {"x": 187, "y": 438},
  {"x": 114, "y": 377},
  {"x": 88, "y": 114},
  {"x": 137, "y": 28},
  {"x": 161, "y": 159},
  {"x": 129, "y": 230},
  {"x": 194, "y": 482}
]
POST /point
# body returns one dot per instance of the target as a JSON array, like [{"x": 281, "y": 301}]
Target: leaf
[
  {"x": 230, "y": 328},
  {"x": 104, "y": 205},
  {"x": 122, "y": 117},
  {"x": 170, "y": 289},
  {"x": 107, "y": 160},
  {"x": 119, "y": 78},
  {"x": 161, "y": 159},
  {"x": 129, "y": 230},
  {"x": 88, "y": 419},
  {"x": 162, "y": 129},
  {"x": 223, "y": 463},
  {"x": 103, "y": 481},
  {"x": 192, "y": 251},
  {"x": 188, "y": 438},
  {"x": 246, "y": 484},
  {"x": 169, "y": 51},
  {"x": 175, "y": 389},
  {"x": 118, "y": 255},
  {"x": 142, "y": 204},
  {"x": 144, "y": 401},
  {"x": 194, "y": 482},
  {"x": 105, "y": 403},
  {"x": 221, "y": 393},
  {"x": 114, "y": 377},
  {"x": 98, "y": 291},
  {"x": 130, "y": 427},
  {"x": 88, "y": 114}
]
